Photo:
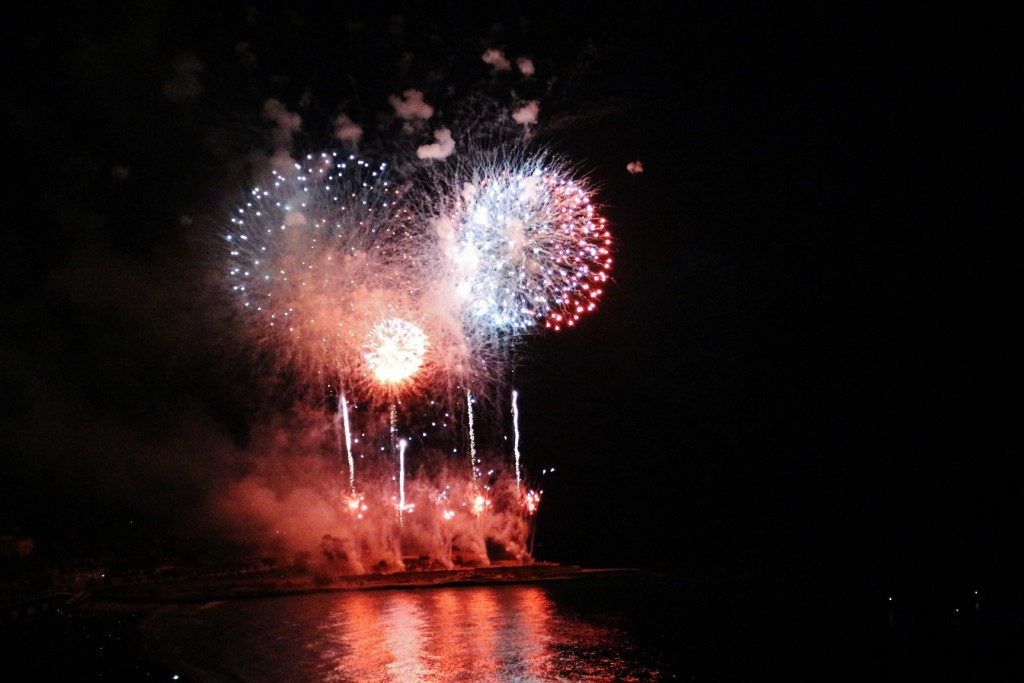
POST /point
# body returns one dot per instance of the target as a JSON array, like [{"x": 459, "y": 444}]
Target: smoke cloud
[
  {"x": 527, "y": 114},
  {"x": 346, "y": 130},
  {"x": 410, "y": 106},
  {"x": 496, "y": 58},
  {"x": 286, "y": 123},
  {"x": 441, "y": 149}
]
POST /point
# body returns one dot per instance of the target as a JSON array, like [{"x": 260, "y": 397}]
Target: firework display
[
  {"x": 524, "y": 246},
  {"x": 411, "y": 300},
  {"x": 311, "y": 262}
]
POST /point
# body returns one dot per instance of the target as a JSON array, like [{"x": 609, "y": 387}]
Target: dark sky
[{"x": 806, "y": 350}]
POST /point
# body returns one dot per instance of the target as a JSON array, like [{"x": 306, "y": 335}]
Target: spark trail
[
  {"x": 515, "y": 430},
  {"x": 401, "y": 480},
  {"x": 343, "y": 410},
  {"x": 474, "y": 464}
]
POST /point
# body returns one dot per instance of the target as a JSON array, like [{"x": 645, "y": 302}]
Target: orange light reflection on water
[{"x": 469, "y": 636}]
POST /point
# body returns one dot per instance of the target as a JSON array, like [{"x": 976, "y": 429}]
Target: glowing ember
[
  {"x": 531, "y": 501},
  {"x": 480, "y": 504},
  {"x": 356, "y": 506}
]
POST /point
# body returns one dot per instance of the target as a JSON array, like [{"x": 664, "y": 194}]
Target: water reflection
[
  {"x": 440, "y": 635},
  {"x": 481, "y": 633}
]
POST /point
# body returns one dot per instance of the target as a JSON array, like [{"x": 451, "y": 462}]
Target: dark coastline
[
  {"x": 272, "y": 583},
  {"x": 100, "y": 634}
]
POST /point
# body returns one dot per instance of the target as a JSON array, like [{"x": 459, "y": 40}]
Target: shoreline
[{"x": 274, "y": 583}]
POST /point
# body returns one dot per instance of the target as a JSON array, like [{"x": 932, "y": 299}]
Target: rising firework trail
[
  {"x": 515, "y": 431},
  {"x": 401, "y": 480},
  {"x": 343, "y": 412},
  {"x": 474, "y": 464}
]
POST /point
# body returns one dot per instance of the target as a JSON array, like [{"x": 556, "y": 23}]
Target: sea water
[
  {"x": 577, "y": 630},
  {"x": 722, "y": 627}
]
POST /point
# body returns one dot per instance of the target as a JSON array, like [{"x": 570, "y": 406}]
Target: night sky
[{"x": 805, "y": 354}]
